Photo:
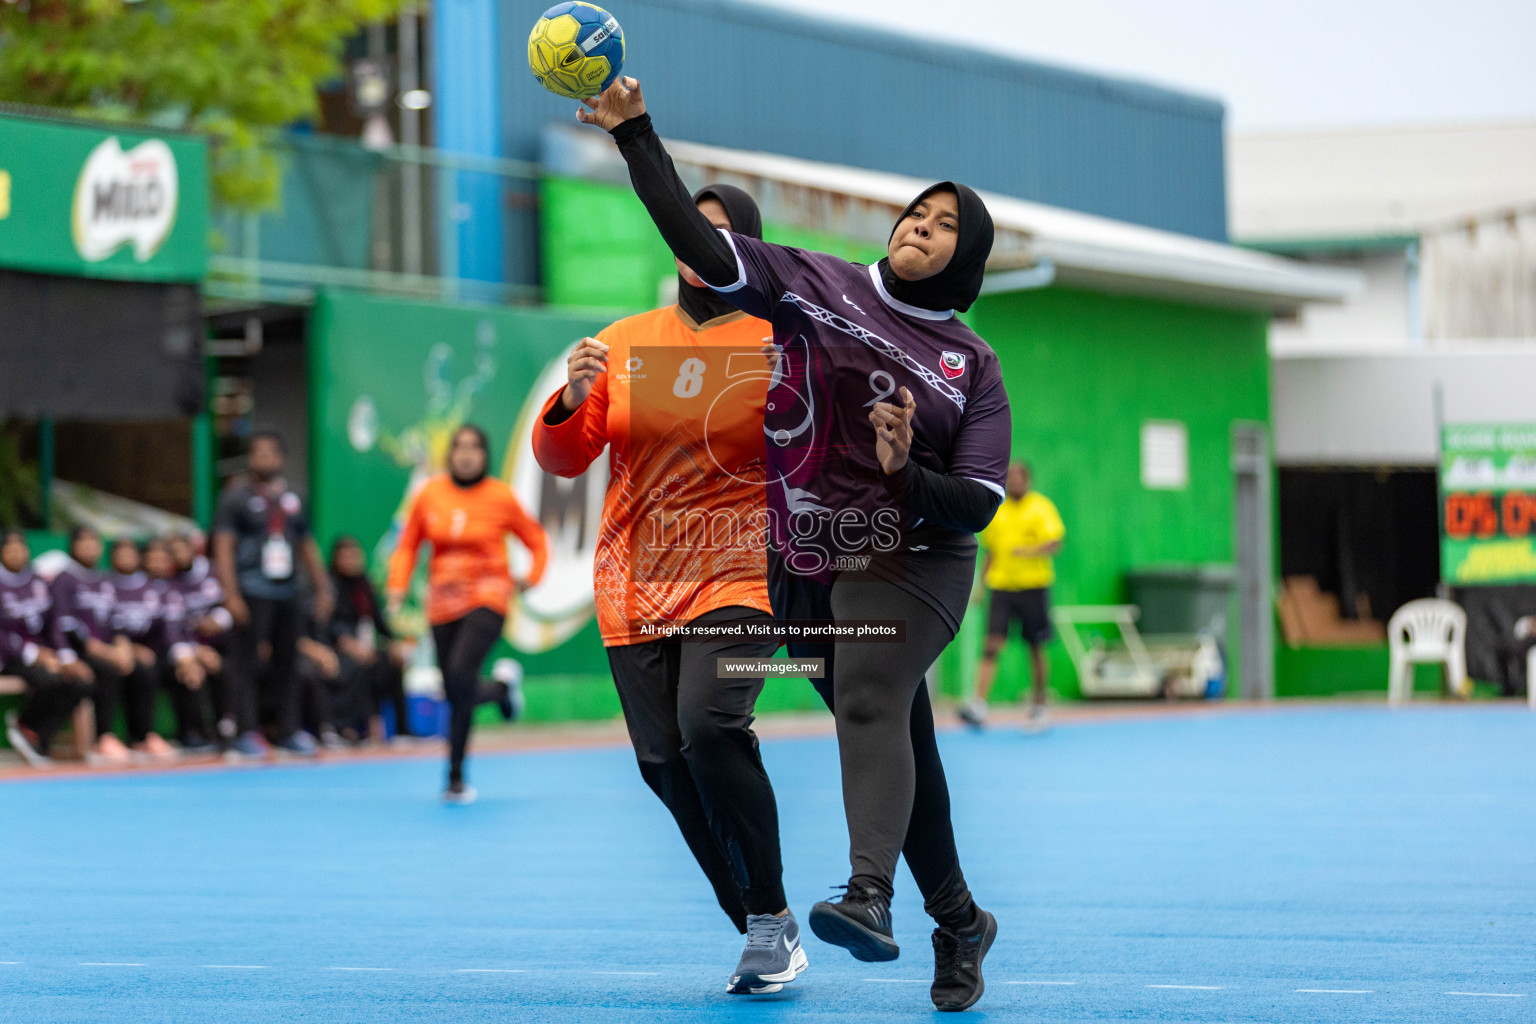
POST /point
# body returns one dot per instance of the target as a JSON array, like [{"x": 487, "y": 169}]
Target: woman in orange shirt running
[{"x": 466, "y": 515}]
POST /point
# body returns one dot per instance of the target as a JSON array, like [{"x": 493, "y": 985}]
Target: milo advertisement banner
[
  {"x": 1488, "y": 487},
  {"x": 87, "y": 201},
  {"x": 390, "y": 382}
]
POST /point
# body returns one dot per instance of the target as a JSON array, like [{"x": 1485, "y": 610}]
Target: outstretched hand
[
  {"x": 616, "y": 104},
  {"x": 893, "y": 432}
]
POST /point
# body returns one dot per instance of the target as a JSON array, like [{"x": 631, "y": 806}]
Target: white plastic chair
[
  {"x": 1427, "y": 631},
  {"x": 1530, "y": 677}
]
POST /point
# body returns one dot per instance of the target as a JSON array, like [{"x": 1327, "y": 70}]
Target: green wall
[
  {"x": 601, "y": 249},
  {"x": 1084, "y": 371},
  {"x": 1351, "y": 671}
]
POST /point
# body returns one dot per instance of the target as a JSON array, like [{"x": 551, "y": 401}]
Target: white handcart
[{"x": 1131, "y": 665}]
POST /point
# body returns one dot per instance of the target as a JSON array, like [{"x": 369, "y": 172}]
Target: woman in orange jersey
[
  {"x": 466, "y": 515},
  {"x": 677, "y": 396}
]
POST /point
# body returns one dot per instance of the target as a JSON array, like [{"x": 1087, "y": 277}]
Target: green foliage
[
  {"x": 238, "y": 70},
  {"x": 20, "y": 484}
]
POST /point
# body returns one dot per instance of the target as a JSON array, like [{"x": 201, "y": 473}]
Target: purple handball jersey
[
  {"x": 26, "y": 615},
  {"x": 83, "y": 601},
  {"x": 847, "y": 344}
]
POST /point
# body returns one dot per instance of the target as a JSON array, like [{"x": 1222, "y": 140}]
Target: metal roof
[
  {"x": 1082, "y": 250},
  {"x": 742, "y": 76}
]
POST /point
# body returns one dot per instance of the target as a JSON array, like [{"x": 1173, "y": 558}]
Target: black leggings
[
  {"x": 693, "y": 738},
  {"x": 191, "y": 706},
  {"x": 50, "y": 700},
  {"x": 384, "y": 680},
  {"x": 462, "y": 646},
  {"x": 106, "y": 693},
  {"x": 275, "y": 686},
  {"x": 134, "y": 691},
  {"x": 895, "y": 795}
]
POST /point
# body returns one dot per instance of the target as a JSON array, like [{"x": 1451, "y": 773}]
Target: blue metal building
[{"x": 751, "y": 77}]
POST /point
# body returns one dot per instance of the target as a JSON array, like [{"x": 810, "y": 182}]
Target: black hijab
[
  {"x": 485, "y": 446},
  {"x": 702, "y": 304},
  {"x": 958, "y": 284}
]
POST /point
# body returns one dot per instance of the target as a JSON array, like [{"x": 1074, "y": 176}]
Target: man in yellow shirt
[{"x": 1023, "y": 537}]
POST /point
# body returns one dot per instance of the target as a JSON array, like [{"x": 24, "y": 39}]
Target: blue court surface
[{"x": 1306, "y": 864}]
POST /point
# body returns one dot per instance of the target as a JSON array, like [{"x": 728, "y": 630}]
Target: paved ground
[{"x": 1308, "y": 864}]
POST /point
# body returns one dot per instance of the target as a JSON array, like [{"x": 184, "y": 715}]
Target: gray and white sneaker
[
  {"x": 459, "y": 793},
  {"x": 974, "y": 713},
  {"x": 773, "y": 956},
  {"x": 25, "y": 742}
]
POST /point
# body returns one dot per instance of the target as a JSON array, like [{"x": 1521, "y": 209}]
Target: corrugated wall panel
[{"x": 755, "y": 78}]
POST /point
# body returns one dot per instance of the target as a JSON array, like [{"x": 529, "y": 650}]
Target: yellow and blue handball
[{"x": 576, "y": 50}]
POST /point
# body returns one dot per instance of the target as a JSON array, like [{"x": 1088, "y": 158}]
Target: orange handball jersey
[
  {"x": 685, "y": 514},
  {"x": 468, "y": 529}
]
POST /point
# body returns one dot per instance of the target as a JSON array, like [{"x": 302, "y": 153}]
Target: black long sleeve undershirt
[
  {"x": 687, "y": 232},
  {"x": 951, "y": 501}
]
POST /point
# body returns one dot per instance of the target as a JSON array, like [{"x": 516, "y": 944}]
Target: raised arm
[{"x": 620, "y": 111}]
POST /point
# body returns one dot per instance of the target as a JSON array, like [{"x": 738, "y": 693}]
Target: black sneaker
[
  {"x": 196, "y": 744},
  {"x": 459, "y": 793},
  {"x": 509, "y": 677},
  {"x": 957, "y": 956},
  {"x": 504, "y": 700},
  {"x": 860, "y": 922}
]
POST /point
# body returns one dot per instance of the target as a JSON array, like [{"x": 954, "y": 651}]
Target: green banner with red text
[{"x": 1488, "y": 489}]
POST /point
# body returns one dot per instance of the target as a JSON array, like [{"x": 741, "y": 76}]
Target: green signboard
[
  {"x": 94, "y": 202},
  {"x": 1488, "y": 486}
]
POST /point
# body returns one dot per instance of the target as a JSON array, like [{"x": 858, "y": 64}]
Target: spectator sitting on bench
[
  {"x": 83, "y": 600},
  {"x": 209, "y": 625},
  {"x": 55, "y": 678},
  {"x": 362, "y": 637},
  {"x": 190, "y": 703},
  {"x": 148, "y": 613}
]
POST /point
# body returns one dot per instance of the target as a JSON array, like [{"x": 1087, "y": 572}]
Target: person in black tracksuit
[
  {"x": 261, "y": 541},
  {"x": 889, "y": 437}
]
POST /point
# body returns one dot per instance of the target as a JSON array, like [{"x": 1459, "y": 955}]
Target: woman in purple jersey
[
  {"x": 32, "y": 647},
  {"x": 887, "y": 441},
  {"x": 82, "y": 608},
  {"x": 150, "y": 615}
]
